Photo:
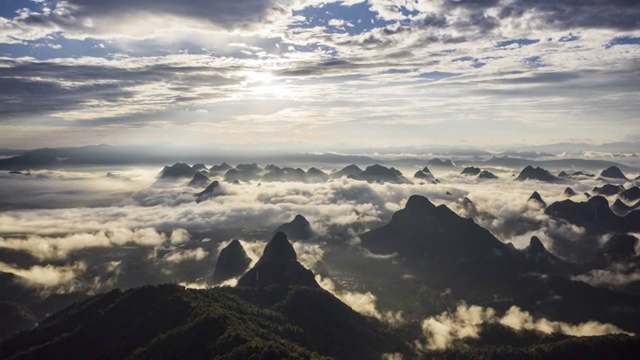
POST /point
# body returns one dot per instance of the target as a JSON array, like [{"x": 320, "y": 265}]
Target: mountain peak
[
  {"x": 278, "y": 266},
  {"x": 279, "y": 249},
  {"x": 418, "y": 203},
  {"x": 232, "y": 262},
  {"x": 536, "y": 246},
  {"x": 537, "y": 198},
  {"x": 613, "y": 172},
  {"x": 538, "y": 173}
]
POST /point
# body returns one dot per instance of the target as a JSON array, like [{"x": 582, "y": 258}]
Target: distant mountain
[
  {"x": 619, "y": 249},
  {"x": 424, "y": 174},
  {"x": 487, "y": 175},
  {"x": 209, "y": 192},
  {"x": 232, "y": 262},
  {"x": 298, "y": 229},
  {"x": 219, "y": 168},
  {"x": 380, "y": 174},
  {"x": 199, "y": 167},
  {"x": 608, "y": 190},
  {"x": 177, "y": 170},
  {"x": 347, "y": 171},
  {"x": 590, "y": 164},
  {"x": 199, "y": 180},
  {"x": 439, "y": 162},
  {"x": 595, "y": 216},
  {"x": 631, "y": 194},
  {"x": 531, "y": 173},
  {"x": 316, "y": 175},
  {"x": 536, "y": 198},
  {"x": 613, "y": 172},
  {"x": 243, "y": 172},
  {"x": 278, "y": 266},
  {"x": 471, "y": 170},
  {"x": 433, "y": 234},
  {"x": 569, "y": 192}
]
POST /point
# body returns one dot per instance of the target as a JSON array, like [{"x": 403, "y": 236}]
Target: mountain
[
  {"x": 436, "y": 237},
  {"x": 275, "y": 173},
  {"x": 620, "y": 248},
  {"x": 277, "y": 311},
  {"x": 380, "y": 174},
  {"x": 487, "y": 175},
  {"x": 170, "y": 322},
  {"x": 541, "y": 259},
  {"x": 594, "y": 215},
  {"x": 278, "y": 266},
  {"x": 471, "y": 170},
  {"x": 631, "y": 194},
  {"x": 232, "y": 262},
  {"x": 298, "y": 229},
  {"x": 177, "y": 170},
  {"x": 199, "y": 180},
  {"x": 348, "y": 171},
  {"x": 208, "y": 192},
  {"x": 535, "y": 197},
  {"x": 316, "y": 175},
  {"x": 219, "y": 168},
  {"x": 243, "y": 172},
  {"x": 538, "y": 173},
  {"x": 569, "y": 192},
  {"x": 424, "y": 174},
  {"x": 613, "y": 172},
  {"x": 608, "y": 189},
  {"x": 443, "y": 163},
  {"x": 199, "y": 167}
]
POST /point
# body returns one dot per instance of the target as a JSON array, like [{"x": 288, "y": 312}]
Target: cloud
[
  {"x": 186, "y": 255},
  {"x": 48, "y": 277},
  {"x": 466, "y": 322},
  {"x": 48, "y": 248}
]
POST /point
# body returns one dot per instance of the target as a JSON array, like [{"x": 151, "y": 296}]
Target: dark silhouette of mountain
[
  {"x": 278, "y": 266},
  {"x": 14, "y": 172},
  {"x": 555, "y": 163},
  {"x": 535, "y": 197},
  {"x": 285, "y": 174},
  {"x": 298, "y": 229},
  {"x": 177, "y": 170},
  {"x": 427, "y": 233},
  {"x": 540, "y": 259},
  {"x": 380, "y": 174},
  {"x": 540, "y": 174},
  {"x": 348, "y": 171},
  {"x": 569, "y": 192},
  {"x": 471, "y": 170},
  {"x": 199, "y": 167},
  {"x": 424, "y": 174},
  {"x": 443, "y": 163},
  {"x": 15, "y": 317},
  {"x": 199, "y": 180},
  {"x": 208, "y": 192},
  {"x": 608, "y": 190},
  {"x": 594, "y": 215},
  {"x": 613, "y": 172},
  {"x": 316, "y": 175},
  {"x": 487, "y": 175},
  {"x": 620, "y": 208},
  {"x": 620, "y": 248},
  {"x": 219, "y": 168},
  {"x": 232, "y": 262},
  {"x": 243, "y": 172},
  {"x": 563, "y": 174},
  {"x": 631, "y": 194}
]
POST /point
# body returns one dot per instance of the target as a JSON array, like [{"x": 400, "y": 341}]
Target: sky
[{"x": 303, "y": 74}]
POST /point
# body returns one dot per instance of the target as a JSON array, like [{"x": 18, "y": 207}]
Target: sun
[{"x": 259, "y": 77}]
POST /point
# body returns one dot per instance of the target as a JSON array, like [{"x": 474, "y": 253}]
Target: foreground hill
[{"x": 261, "y": 321}]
